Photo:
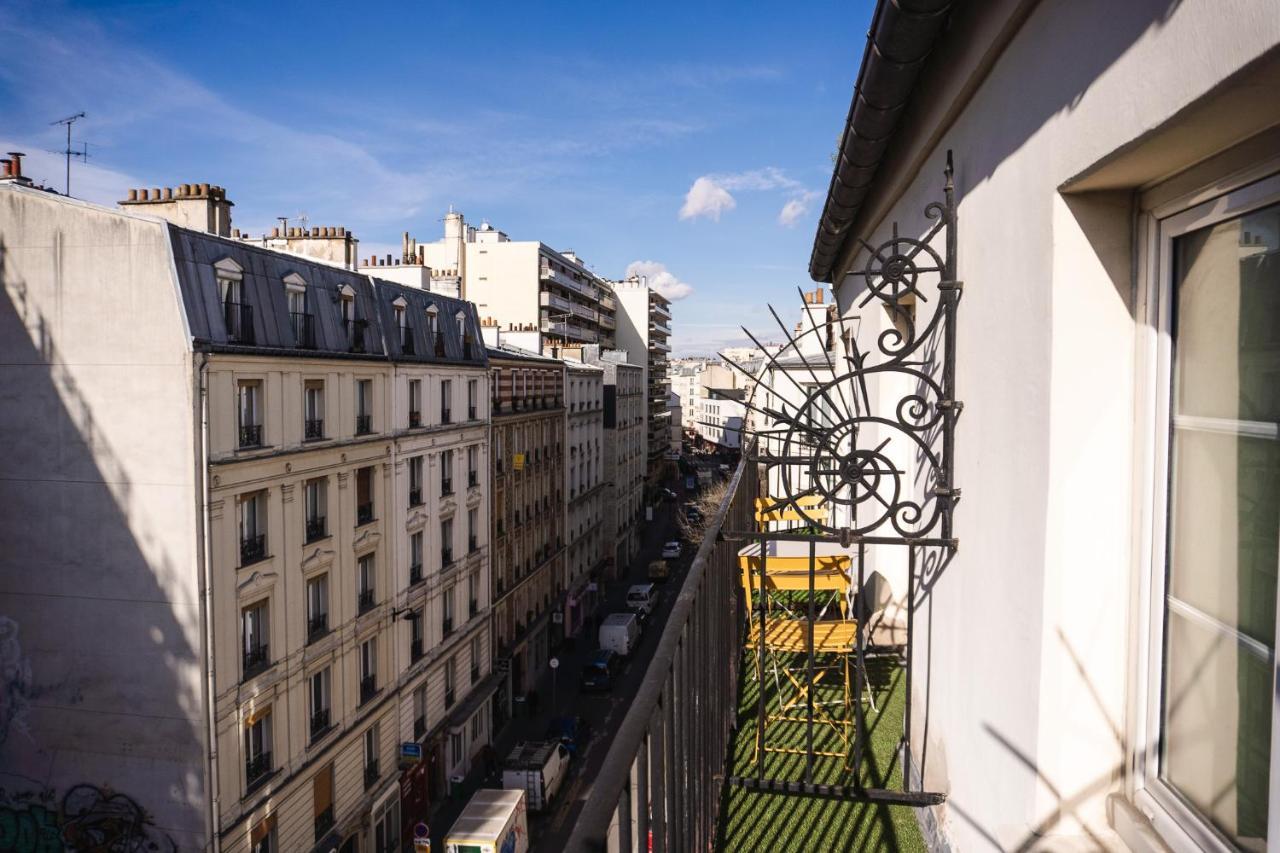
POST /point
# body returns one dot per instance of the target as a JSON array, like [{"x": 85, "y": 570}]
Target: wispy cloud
[
  {"x": 712, "y": 194},
  {"x": 660, "y": 279}
]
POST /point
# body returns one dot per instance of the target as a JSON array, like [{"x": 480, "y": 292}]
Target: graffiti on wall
[
  {"x": 15, "y": 682},
  {"x": 88, "y": 819}
]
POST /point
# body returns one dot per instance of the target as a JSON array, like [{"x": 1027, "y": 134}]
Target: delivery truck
[
  {"x": 538, "y": 768},
  {"x": 494, "y": 821},
  {"x": 620, "y": 633}
]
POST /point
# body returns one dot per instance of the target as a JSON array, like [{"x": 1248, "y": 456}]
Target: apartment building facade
[
  {"x": 625, "y": 454},
  {"x": 528, "y": 469},
  {"x": 524, "y": 286},
  {"x": 584, "y": 482},
  {"x": 643, "y": 330},
  {"x": 265, "y": 469}
]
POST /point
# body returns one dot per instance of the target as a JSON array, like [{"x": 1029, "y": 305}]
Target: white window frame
[{"x": 1178, "y": 824}]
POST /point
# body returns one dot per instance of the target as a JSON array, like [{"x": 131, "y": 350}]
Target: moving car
[
  {"x": 640, "y": 600},
  {"x": 599, "y": 672},
  {"x": 671, "y": 551},
  {"x": 573, "y": 732}
]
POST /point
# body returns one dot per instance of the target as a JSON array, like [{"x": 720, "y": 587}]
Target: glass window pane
[{"x": 1224, "y": 522}]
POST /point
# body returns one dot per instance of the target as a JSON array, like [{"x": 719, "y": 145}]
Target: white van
[
  {"x": 493, "y": 822},
  {"x": 537, "y": 768},
  {"x": 640, "y": 600},
  {"x": 620, "y": 633}
]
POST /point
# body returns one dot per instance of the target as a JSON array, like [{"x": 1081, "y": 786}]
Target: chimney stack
[{"x": 201, "y": 207}]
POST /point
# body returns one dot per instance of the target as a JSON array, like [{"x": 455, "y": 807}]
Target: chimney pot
[
  {"x": 204, "y": 190},
  {"x": 15, "y": 168},
  {"x": 342, "y": 231},
  {"x": 168, "y": 193},
  {"x": 133, "y": 193},
  {"x": 275, "y": 232},
  {"x": 235, "y": 232}
]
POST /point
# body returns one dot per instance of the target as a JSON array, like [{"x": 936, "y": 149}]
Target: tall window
[
  {"x": 446, "y": 543},
  {"x": 364, "y": 406},
  {"x": 473, "y": 593},
  {"x": 317, "y": 607},
  {"x": 257, "y": 749},
  {"x": 253, "y": 527},
  {"x": 473, "y": 463},
  {"x": 476, "y": 652},
  {"x": 420, "y": 711},
  {"x": 371, "y": 755},
  {"x": 415, "y": 481},
  {"x": 473, "y": 529},
  {"x": 416, "y": 643},
  {"x": 446, "y": 610},
  {"x": 446, "y": 401},
  {"x": 250, "y": 408},
  {"x": 319, "y": 696},
  {"x": 415, "y": 403},
  {"x": 313, "y": 403},
  {"x": 364, "y": 495},
  {"x": 446, "y": 473},
  {"x": 450, "y": 682},
  {"x": 434, "y": 336},
  {"x": 316, "y": 497},
  {"x": 322, "y": 800},
  {"x": 415, "y": 557},
  {"x": 473, "y": 391},
  {"x": 1223, "y": 515},
  {"x": 237, "y": 315},
  {"x": 368, "y": 669},
  {"x": 365, "y": 574},
  {"x": 255, "y": 630}
]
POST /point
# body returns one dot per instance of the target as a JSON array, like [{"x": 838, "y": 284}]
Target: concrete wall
[
  {"x": 1027, "y": 634},
  {"x": 502, "y": 280},
  {"x": 99, "y": 595}
]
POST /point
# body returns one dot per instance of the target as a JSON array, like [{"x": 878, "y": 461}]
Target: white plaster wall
[
  {"x": 99, "y": 604},
  {"x": 1028, "y": 626}
]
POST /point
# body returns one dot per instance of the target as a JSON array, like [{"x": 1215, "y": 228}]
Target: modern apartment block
[
  {"x": 585, "y": 482},
  {"x": 521, "y": 285},
  {"x": 625, "y": 453},
  {"x": 644, "y": 325},
  {"x": 244, "y": 544},
  {"x": 528, "y": 429}
]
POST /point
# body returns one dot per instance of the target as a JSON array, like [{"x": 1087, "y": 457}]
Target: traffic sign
[
  {"x": 420, "y": 830},
  {"x": 554, "y": 663}
]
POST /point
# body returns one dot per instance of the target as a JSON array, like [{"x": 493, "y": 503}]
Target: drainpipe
[{"x": 206, "y": 604}]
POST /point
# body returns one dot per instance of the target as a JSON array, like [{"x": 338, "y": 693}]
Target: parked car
[
  {"x": 538, "y": 768},
  {"x": 573, "y": 732},
  {"x": 669, "y": 495},
  {"x": 671, "y": 551},
  {"x": 620, "y": 632},
  {"x": 492, "y": 820},
  {"x": 693, "y": 513},
  {"x": 640, "y": 600},
  {"x": 659, "y": 570},
  {"x": 599, "y": 672}
]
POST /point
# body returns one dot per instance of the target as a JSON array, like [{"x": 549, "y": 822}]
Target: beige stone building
[
  {"x": 625, "y": 454},
  {"x": 585, "y": 484},
  {"x": 528, "y": 430},
  {"x": 278, "y": 462}
]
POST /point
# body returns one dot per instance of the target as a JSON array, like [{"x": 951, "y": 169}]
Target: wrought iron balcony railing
[
  {"x": 239, "y": 320},
  {"x": 364, "y": 424},
  {"x": 364, "y": 514},
  {"x": 446, "y": 558},
  {"x": 251, "y": 435},
  {"x": 257, "y": 768},
  {"x": 415, "y": 419},
  {"x": 416, "y": 651},
  {"x": 256, "y": 660},
  {"x": 366, "y": 601},
  {"x": 317, "y": 627},
  {"x": 313, "y": 429},
  {"x": 471, "y": 413},
  {"x": 415, "y": 497},
  {"x": 304, "y": 330},
  {"x": 446, "y": 415},
  {"x": 368, "y": 688},
  {"x": 317, "y": 528},
  {"x": 415, "y": 574},
  {"x": 419, "y": 727},
  {"x": 253, "y": 549},
  {"x": 473, "y": 479},
  {"x": 324, "y": 823},
  {"x": 446, "y": 626},
  {"x": 446, "y": 487},
  {"x": 355, "y": 331},
  {"x": 319, "y": 723}
]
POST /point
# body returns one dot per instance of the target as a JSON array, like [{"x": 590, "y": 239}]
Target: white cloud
[
  {"x": 660, "y": 279},
  {"x": 796, "y": 208},
  {"x": 706, "y": 198},
  {"x": 710, "y": 194}
]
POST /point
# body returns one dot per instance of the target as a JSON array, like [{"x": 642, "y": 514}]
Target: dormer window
[
  {"x": 304, "y": 332},
  {"x": 353, "y": 327},
  {"x": 402, "y": 323},
  {"x": 435, "y": 335},
  {"x": 237, "y": 315}
]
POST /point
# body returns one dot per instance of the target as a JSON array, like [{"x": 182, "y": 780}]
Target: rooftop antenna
[{"x": 71, "y": 152}]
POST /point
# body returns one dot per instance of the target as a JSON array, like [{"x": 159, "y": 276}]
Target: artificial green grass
[{"x": 776, "y": 822}]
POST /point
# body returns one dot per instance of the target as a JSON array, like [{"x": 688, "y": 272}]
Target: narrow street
[{"x": 559, "y": 694}]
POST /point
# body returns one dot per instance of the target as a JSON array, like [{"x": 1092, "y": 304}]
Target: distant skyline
[{"x": 688, "y": 145}]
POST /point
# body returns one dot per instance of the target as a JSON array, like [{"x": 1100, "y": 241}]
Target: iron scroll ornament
[{"x": 832, "y": 447}]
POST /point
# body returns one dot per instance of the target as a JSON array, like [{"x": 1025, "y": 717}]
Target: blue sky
[{"x": 694, "y": 137}]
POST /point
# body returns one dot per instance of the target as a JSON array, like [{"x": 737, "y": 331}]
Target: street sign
[
  {"x": 420, "y": 830},
  {"x": 554, "y": 663},
  {"x": 410, "y": 754}
]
